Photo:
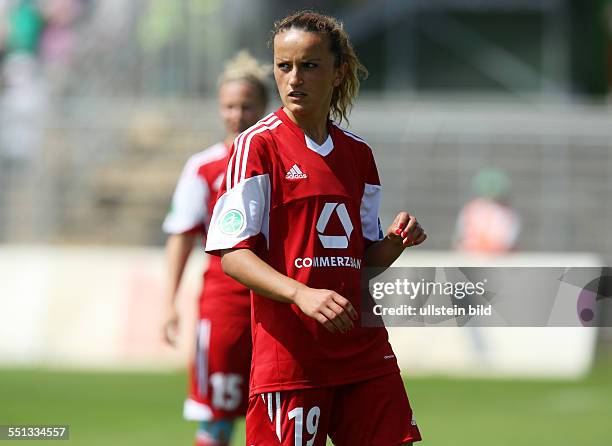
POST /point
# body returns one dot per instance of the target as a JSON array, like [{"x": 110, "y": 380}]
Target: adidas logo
[{"x": 295, "y": 173}]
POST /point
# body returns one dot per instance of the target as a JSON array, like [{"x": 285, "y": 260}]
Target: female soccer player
[
  {"x": 220, "y": 372},
  {"x": 296, "y": 221}
]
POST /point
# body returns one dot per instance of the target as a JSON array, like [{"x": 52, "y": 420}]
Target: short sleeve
[
  {"x": 241, "y": 213},
  {"x": 370, "y": 202},
  {"x": 188, "y": 211}
]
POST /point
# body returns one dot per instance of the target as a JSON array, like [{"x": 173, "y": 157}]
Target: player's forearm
[
  {"x": 404, "y": 231},
  {"x": 244, "y": 266},
  {"x": 382, "y": 253},
  {"x": 178, "y": 249}
]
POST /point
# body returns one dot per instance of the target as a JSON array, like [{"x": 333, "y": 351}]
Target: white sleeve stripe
[
  {"x": 237, "y": 157},
  {"x": 241, "y": 172},
  {"x": 265, "y": 118},
  {"x": 228, "y": 174},
  {"x": 355, "y": 137},
  {"x": 237, "y": 141},
  {"x": 238, "y": 154},
  {"x": 247, "y": 147},
  {"x": 240, "y": 145}
]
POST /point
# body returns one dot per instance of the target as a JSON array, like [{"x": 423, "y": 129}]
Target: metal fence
[{"x": 107, "y": 168}]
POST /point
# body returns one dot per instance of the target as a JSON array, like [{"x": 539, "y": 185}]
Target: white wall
[{"x": 98, "y": 307}]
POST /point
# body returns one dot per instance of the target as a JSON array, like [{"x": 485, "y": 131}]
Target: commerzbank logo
[
  {"x": 334, "y": 241},
  {"x": 232, "y": 222},
  {"x": 331, "y": 241}
]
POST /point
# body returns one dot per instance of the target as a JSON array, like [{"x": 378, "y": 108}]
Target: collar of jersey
[{"x": 323, "y": 149}]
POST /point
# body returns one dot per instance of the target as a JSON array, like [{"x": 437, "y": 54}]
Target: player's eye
[
  {"x": 283, "y": 66},
  {"x": 309, "y": 65}
]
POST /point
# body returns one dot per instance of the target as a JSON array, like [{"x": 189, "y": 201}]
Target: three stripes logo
[{"x": 295, "y": 173}]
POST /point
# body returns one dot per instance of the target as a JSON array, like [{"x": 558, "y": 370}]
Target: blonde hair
[
  {"x": 244, "y": 67},
  {"x": 344, "y": 95}
]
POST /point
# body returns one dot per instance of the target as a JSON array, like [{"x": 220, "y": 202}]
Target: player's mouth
[{"x": 297, "y": 95}]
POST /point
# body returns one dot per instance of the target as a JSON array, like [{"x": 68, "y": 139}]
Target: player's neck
[
  {"x": 315, "y": 127},
  {"x": 318, "y": 135}
]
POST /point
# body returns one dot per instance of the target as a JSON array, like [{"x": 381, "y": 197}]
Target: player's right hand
[
  {"x": 329, "y": 308},
  {"x": 170, "y": 326}
]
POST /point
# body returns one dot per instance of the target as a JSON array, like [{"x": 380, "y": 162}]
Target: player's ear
[{"x": 340, "y": 74}]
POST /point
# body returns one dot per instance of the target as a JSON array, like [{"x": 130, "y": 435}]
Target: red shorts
[
  {"x": 219, "y": 381},
  {"x": 367, "y": 413}
]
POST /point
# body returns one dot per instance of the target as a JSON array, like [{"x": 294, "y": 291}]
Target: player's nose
[{"x": 295, "y": 77}]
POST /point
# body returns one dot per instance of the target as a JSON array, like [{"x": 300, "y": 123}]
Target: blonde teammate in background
[{"x": 220, "y": 370}]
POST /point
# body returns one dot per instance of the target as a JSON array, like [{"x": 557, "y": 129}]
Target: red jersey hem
[{"x": 297, "y": 385}]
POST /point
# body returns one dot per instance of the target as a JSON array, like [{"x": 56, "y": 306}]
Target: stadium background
[{"x": 101, "y": 108}]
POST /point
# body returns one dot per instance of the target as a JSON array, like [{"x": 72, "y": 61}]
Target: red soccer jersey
[
  {"x": 309, "y": 211},
  {"x": 192, "y": 204}
]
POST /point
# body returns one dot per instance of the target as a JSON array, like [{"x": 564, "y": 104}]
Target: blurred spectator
[
  {"x": 23, "y": 98},
  {"x": 58, "y": 40},
  {"x": 488, "y": 223},
  {"x": 58, "y": 37},
  {"x": 23, "y": 106},
  {"x": 24, "y": 24}
]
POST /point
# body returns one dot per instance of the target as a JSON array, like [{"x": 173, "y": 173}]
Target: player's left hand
[
  {"x": 406, "y": 230},
  {"x": 170, "y": 326}
]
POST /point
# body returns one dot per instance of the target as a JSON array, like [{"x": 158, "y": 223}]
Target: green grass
[{"x": 145, "y": 409}]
